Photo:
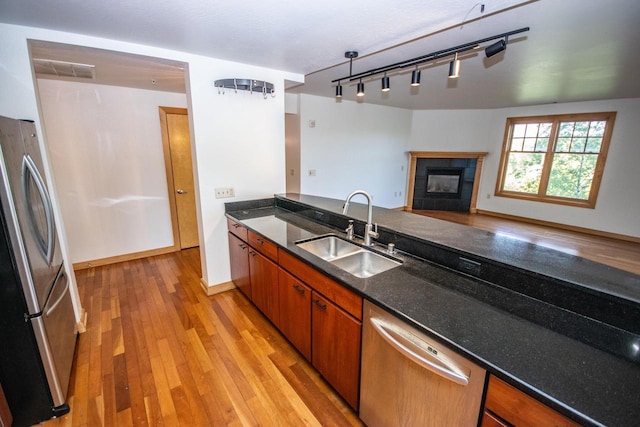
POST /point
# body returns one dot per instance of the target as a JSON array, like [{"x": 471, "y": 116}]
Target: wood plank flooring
[
  {"x": 616, "y": 253},
  {"x": 157, "y": 351}
]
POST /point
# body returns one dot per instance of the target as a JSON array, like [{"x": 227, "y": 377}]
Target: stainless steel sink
[
  {"x": 329, "y": 247},
  {"x": 365, "y": 263},
  {"x": 354, "y": 259}
]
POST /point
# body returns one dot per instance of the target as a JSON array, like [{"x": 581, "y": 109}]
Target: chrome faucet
[{"x": 369, "y": 231}]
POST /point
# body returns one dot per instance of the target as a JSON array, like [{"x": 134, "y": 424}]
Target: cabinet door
[
  {"x": 335, "y": 347},
  {"x": 295, "y": 312},
  {"x": 239, "y": 257},
  {"x": 264, "y": 285}
]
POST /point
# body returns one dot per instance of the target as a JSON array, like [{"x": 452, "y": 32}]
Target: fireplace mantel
[{"x": 415, "y": 155}]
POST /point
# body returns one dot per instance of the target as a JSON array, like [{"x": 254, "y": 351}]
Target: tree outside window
[{"x": 555, "y": 159}]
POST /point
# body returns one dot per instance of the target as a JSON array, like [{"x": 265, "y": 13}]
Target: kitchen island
[{"x": 560, "y": 328}]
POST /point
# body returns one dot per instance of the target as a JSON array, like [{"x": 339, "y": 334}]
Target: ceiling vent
[{"x": 63, "y": 69}]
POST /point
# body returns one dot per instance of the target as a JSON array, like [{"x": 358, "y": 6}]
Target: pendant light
[
  {"x": 454, "y": 68},
  {"x": 415, "y": 77},
  {"x": 339, "y": 90},
  {"x": 360, "y": 91},
  {"x": 385, "y": 83}
]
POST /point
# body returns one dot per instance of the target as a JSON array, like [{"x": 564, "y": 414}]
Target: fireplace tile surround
[{"x": 425, "y": 166}]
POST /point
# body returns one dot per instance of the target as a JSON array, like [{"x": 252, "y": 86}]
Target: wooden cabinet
[
  {"x": 507, "y": 406},
  {"x": 320, "y": 317},
  {"x": 6, "y": 419},
  {"x": 237, "y": 229},
  {"x": 295, "y": 312},
  {"x": 263, "y": 246},
  {"x": 264, "y": 285},
  {"x": 335, "y": 347},
  {"x": 336, "y": 327},
  {"x": 239, "y": 256}
]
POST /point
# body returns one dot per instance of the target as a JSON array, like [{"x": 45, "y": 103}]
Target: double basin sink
[{"x": 350, "y": 257}]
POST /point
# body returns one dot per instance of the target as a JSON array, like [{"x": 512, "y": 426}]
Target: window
[{"x": 555, "y": 159}]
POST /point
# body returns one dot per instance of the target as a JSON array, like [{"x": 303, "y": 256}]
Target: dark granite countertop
[{"x": 580, "y": 365}]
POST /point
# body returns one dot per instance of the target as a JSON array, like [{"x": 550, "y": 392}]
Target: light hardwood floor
[
  {"x": 616, "y": 253},
  {"x": 157, "y": 351}
]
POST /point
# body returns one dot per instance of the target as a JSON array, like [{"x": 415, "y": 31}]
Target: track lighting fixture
[
  {"x": 385, "y": 83},
  {"x": 454, "y": 68},
  {"x": 360, "y": 88},
  {"x": 415, "y": 77},
  {"x": 497, "y": 47}
]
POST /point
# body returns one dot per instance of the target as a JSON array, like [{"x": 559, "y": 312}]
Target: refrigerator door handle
[
  {"x": 47, "y": 247},
  {"x": 63, "y": 294}
]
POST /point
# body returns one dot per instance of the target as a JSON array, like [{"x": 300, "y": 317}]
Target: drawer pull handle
[
  {"x": 236, "y": 225},
  {"x": 252, "y": 253},
  {"x": 243, "y": 246},
  {"x": 260, "y": 241},
  {"x": 319, "y": 304},
  {"x": 298, "y": 288}
]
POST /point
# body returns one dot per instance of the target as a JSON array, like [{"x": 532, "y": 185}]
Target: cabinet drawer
[
  {"x": 520, "y": 409},
  {"x": 264, "y": 246},
  {"x": 347, "y": 300},
  {"x": 237, "y": 229}
]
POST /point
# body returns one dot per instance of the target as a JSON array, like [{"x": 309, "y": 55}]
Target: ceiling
[{"x": 575, "y": 50}]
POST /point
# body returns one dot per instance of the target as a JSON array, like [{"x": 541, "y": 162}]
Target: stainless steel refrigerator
[{"x": 37, "y": 323}]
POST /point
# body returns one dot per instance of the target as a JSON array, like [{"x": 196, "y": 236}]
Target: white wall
[
  {"x": 105, "y": 147},
  {"x": 237, "y": 139},
  {"x": 354, "y": 146},
  {"x": 292, "y": 142},
  {"x": 483, "y": 130}
]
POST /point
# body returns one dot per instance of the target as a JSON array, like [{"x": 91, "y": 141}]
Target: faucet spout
[{"x": 369, "y": 231}]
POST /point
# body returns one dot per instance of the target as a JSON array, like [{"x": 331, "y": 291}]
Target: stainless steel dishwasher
[{"x": 409, "y": 379}]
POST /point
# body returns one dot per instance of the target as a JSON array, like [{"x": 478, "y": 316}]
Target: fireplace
[{"x": 444, "y": 181}]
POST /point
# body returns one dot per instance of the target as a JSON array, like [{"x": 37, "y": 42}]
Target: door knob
[{"x": 180, "y": 191}]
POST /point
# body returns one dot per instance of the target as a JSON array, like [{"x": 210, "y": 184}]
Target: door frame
[{"x": 166, "y": 149}]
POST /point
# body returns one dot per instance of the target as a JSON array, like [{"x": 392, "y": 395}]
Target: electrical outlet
[
  {"x": 224, "y": 192},
  {"x": 312, "y": 172}
]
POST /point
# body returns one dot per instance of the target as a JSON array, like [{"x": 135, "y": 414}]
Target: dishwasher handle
[{"x": 448, "y": 372}]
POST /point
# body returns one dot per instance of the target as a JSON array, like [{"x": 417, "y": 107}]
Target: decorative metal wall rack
[{"x": 251, "y": 85}]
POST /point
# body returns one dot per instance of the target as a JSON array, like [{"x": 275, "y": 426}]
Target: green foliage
[
  {"x": 523, "y": 172},
  {"x": 572, "y": 175}
]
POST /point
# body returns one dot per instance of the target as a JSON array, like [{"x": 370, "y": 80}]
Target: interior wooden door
[{"x": 180, "y": 175}]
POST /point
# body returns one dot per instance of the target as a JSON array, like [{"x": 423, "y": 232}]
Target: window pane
[
  {"x": 542, "y": 144},
  {"x": 563, "y": 145},
  {"x": 577, "y": 145},
  {"x": 581, "y": 129},
  {"x": 593, "y": 145},
  {"x": 529, "y": 144},
  {"x": 532, "y": 130},
  {"x": 571, "y": 175},
  {"x": 597, "y": 128},
  {"x": 545, "y": 130},
  {"x": 566, "y": 129},
  {"x": 516, "y": 144},
  {"x": 518, "y": 130},
  {"x": 523, "y": 172}
]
